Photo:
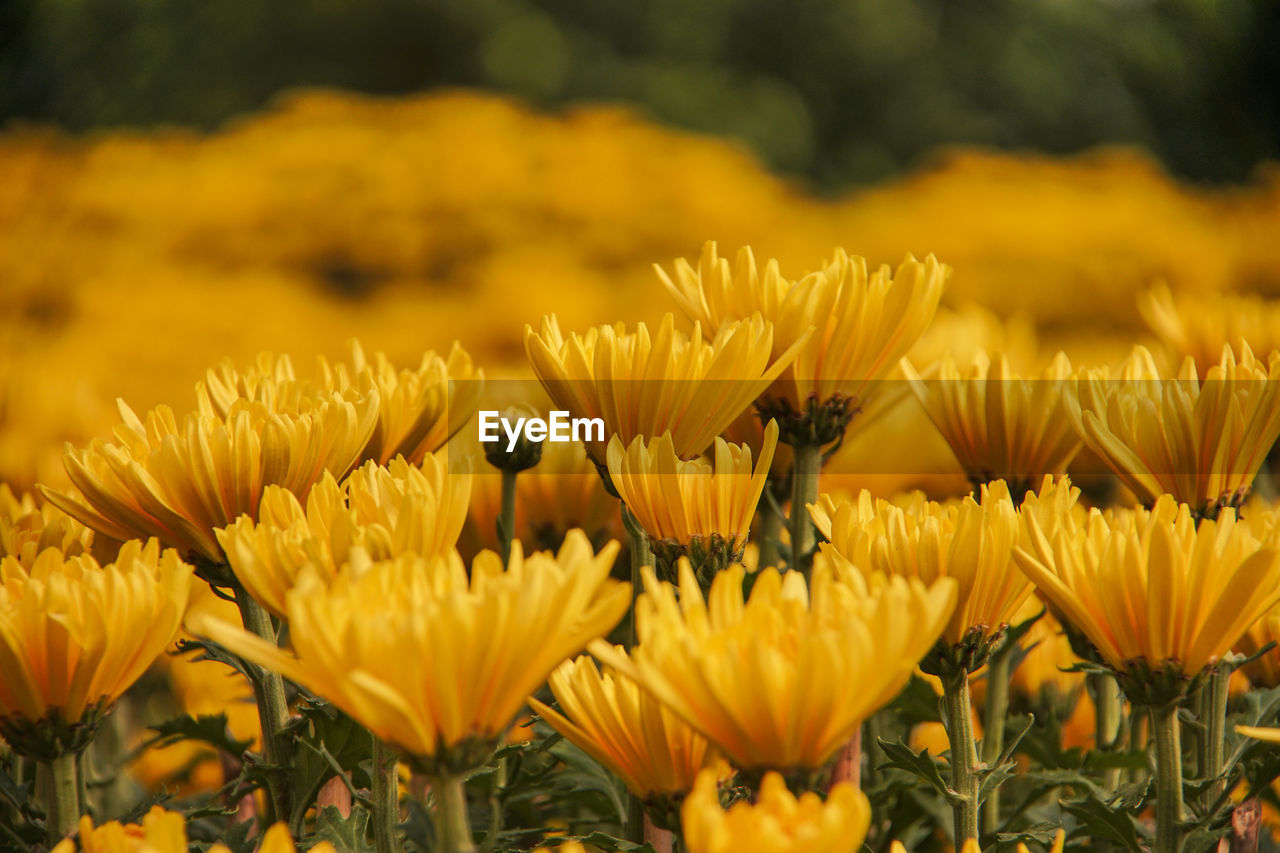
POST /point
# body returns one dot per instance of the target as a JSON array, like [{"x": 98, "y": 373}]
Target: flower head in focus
[
  {"x": 850, "y": 325},
  {"x": 1158, "y": 596},
  {"x": 623, "y": 727},
  {"x": 1000, "y": 426},
  {"x": 697, "y": 508},
  {"x": 418, "y": 409},
  {"x": 778, "y": 821},
  {"x": 399, "y": 509},
  {"x": 780, "y": 681},
  {"x": 448, "y": 661},
  {"x": 647, "y": 384},
  {"x": 74, "y": 635},
  {"x": 179, "y": 480},
  {"x": 1202, "y": 442},
  {"x": 968, "y": 540}
]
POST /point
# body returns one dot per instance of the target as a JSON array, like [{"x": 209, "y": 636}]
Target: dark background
[{"x": 838, "y": 93}]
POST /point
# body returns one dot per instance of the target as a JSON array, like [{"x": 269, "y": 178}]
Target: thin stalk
[
  {"x": 1106, "y": 720},
  {"x": 768, "y": 532},
  {"x": 453, "y": 826},
  {"x": 1169, "y": 808},
  {"x": 641, "y": 556},
  {"x": 997, "y": 709},
  {"x": 507, "y": 520},
  {"x": 1213, "y": 714},
  {"x": 63, "y": 805},
  {"x": 805, "y": 474},
  {"x": 273, "y": 710},
  {"x": 386, "y": 799},
  {"x": 964, "y": 755}
]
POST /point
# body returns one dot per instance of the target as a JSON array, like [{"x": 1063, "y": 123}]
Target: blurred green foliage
[{"x": 839, "y": 91}]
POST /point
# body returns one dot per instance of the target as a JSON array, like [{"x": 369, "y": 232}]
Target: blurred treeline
[{"x": 838, "y": 91}]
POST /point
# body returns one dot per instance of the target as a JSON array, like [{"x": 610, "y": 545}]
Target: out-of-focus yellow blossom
[
  {"x": 781, "y": 681},
  {"x": 561, "y": 492},
  {"x": 447, "y": 662},
  {"x": 1152, "y": 591},
  {"x": 180, "y": 480},
  {"x": 567, "y": 847},
  {"x": 1263, "y": 671},
  {"x": 26, "y": 530},
  {"x": 777, "y": 822},
  {"x": 646, "y": 385},
  {"x": 696, "y": 507},
  {"x": 627, "y": 730},
  {"x": 164, "y": 831},
  {"x": 971, "y": 541},
  {"x": 1197, "y": 325},
  {"x": 74, "y": 635},
  {"x": 418, "y": 410},
  {"x": 1257, "y": 733},
  {"x": 1202, "y": 442},
  {"x": 1000, "y": 425},
  {"x": 851, "y": 326},
  {"x": 399, "y": 509}
]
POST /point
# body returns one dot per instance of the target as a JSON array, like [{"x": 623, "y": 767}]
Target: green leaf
[
  {"x": 921, "y": 765},
  {"x": 1100, "y": 820},
  {"x": 329, "y": 743},
  {"x": 608, "y": 842},
  {"x": 346, "y": 834},
  {"x": 206, "y": 728},
  {"x": 209, "y": 650}
]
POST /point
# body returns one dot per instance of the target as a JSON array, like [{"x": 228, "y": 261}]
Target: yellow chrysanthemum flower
[
  {"x": 1263, "y": 734},
  {"x": 851, "y": 325},
  {"x": 1151, "y": 590},
  {"x": 1001, "y": 426},
  {"x": 418, "y": 410},
  {"x": 26, "y": 530},
  {"x": 781, "y": 681},
  {"x": 567, "y": 847},
  {"x": 644, "y": 384},
  {"x": 180, "y": 480},
  {"x": 695, "y": 508},
  {"x": 74, "y": 635},
  {"x": 1202, "y": 442},
  {"x": 400, "y": 509},
  {"x": 429, "y": 660},
  {"x": 623, "y": 727},
  {"x": 777, "y": 822},
  {"x": 164, "y": 831},
  {"x": 969, "y": 540},
  {"x": 1197, "y": 325}
]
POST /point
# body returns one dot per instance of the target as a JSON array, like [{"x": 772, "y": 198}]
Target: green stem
[
  {"x": 805, "y": 474},
  {"x": 1164, "y": 722},
  {"x": 273, "y": 710},
  {"x": 63, "y": 806},
  {"x": 453, "y": 827},
  {"x": 507, "y": 520},
  {"x": 994, "y": 714},
  {"x": 964, "y": 755},
  {"x": 1106, "y": 720},
  {"x": 768, "y": 532},
  {"x": 386, "y": 799},
  {"x": 1213, "y": 714},
  {"x": 641, "y": 556}
]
